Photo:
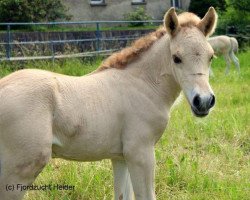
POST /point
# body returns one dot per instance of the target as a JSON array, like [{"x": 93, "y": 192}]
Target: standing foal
[
  {"x": 118, "y": 112},
  {"x": 227, "y": 46}
]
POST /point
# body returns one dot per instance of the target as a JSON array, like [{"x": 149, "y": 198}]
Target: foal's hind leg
[
  {"x": 235, "y": 60},
  {"x": 25, "y": 150},
  {"x": 122, "y": 182},
  {"x": 16, "y": 174},
  {"x": 228, "y": 63}
]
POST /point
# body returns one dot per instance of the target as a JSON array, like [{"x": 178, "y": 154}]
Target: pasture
[{"x": 196, "y": 159}]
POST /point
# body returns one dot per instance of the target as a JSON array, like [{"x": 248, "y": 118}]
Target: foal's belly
[
  {"x": 89, "y": 146},
  {"x": 85, "y": 154}
]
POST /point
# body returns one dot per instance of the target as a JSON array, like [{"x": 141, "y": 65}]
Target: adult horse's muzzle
[{"x": 202, "y": 104}]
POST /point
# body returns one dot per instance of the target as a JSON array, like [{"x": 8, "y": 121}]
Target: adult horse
[
  {"x": 117, "y": 112},
  {"x": 226, "y": 46}
]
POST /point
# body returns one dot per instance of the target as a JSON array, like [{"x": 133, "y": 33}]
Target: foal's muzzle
[{"x": 202, "y": 104}]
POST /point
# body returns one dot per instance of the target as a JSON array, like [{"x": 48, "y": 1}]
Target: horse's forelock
[{"x": 188, "y": 19}]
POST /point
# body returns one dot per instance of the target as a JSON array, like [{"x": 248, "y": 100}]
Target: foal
[
  {"x": 118, "y": 112},
  {"x": 227, "y": 46}
]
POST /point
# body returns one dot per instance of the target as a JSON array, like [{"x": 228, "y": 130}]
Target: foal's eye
[{"x": 176, "y": 59}]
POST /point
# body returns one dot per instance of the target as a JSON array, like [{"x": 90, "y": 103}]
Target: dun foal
[
  {"x": 117, "y": 112},
  {"x": 227, "y": 46}
]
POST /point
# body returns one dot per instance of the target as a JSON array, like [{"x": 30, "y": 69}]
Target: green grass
[
  {"x": 197, "y": 159},
  {"x": 74, "y": 67}
]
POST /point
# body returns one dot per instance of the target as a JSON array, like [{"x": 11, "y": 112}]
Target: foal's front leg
[
  {"x": 140, "y": 160},
  {"x": 122, "y": 182}
]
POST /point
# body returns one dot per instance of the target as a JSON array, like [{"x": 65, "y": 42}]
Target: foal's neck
[{"x": 154, "y": 67}]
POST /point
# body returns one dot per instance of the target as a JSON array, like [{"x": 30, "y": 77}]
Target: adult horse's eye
[{"x": 176, "y": 59}]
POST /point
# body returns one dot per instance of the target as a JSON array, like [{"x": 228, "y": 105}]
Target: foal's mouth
[{"x": 198, "y": 113}]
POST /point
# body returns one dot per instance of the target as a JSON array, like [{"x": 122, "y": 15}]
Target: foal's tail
[
  {"x": 234, "y": 45},
  {"x": 234, "y": 49}
]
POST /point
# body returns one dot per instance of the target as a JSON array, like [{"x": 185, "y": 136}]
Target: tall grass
[
  {"x": 196, "y": 158},
  {"x": 73, "y": 67}
]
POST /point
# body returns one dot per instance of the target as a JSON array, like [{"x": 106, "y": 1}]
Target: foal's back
[{"x": 221, "y": 44}]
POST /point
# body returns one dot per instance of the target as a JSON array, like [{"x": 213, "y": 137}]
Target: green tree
[
  {"x": 237, "y": 15},
  {"x": 32, "y": 11},
  {"x": 200, "y": 7},
  {"x": 240, "y": 5}
]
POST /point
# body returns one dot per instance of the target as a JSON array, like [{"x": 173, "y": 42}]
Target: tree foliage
[
  {"x": 200, "y": 7},
  {"x": 240, "y": 5},
  {"x": 32, "y": 11},
  {"x": 237, "y": 15},
  {"x": 232, "y": 13}
]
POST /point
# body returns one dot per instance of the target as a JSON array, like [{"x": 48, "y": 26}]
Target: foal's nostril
[
  {"x": 212, "y": 101},
  {"x": 197, "y": 101}
]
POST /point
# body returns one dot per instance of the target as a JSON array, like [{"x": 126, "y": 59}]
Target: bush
[
  {"x": 32, "y": 11},
  {"x": 138, "y": 15}
]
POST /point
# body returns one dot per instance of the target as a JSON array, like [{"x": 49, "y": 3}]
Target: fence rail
[
  {"x": 8, "y": 42},
  {"x": 78, "y": 22},
  {"x": 97, "y": 39}
]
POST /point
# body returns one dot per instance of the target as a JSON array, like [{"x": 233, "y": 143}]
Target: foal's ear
[
  {"x": 171, "y": 22},
  {"x": 208, "y": 23}
]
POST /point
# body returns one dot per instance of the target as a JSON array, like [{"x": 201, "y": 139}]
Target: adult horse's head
[{"x": 191, "y": 56}]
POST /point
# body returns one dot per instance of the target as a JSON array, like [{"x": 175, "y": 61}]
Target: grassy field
[{"x": 197, "y": 159}]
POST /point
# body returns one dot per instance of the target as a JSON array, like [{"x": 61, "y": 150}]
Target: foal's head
[{"x": 191, "y": 56}]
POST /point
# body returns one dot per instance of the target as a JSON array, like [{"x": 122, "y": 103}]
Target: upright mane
[{"x": 127, "y": 55}]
